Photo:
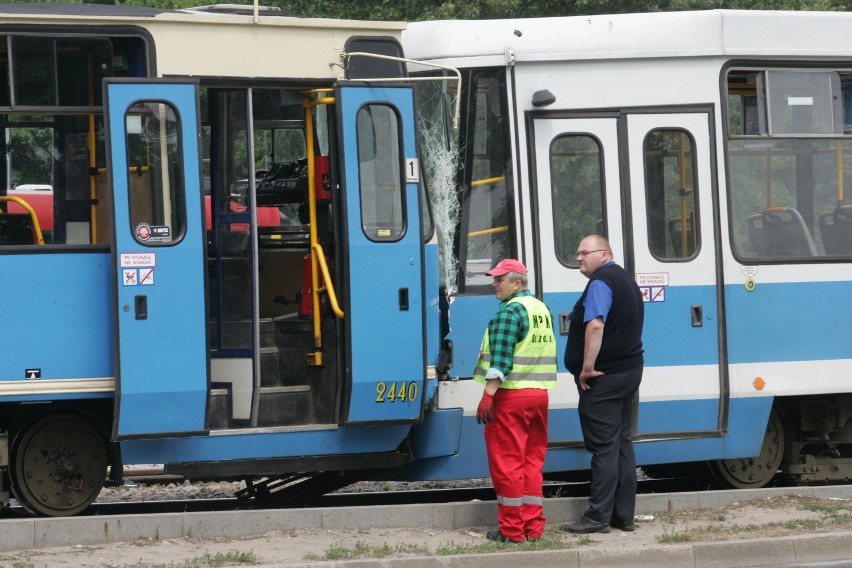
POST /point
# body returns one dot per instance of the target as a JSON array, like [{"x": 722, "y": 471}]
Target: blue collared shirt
[{"x": 598, "y": 299}]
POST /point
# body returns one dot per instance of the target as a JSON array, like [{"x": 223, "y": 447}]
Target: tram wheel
[
  {"x": 756, "y": 472},
  {"x": 59, "y": 465}
]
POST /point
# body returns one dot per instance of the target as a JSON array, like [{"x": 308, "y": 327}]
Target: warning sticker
[
  {"x": 652, "y": 278},
  {"x": 146, "y": 276},
  {"x": 138, "y": 259},
  {"x": 130, "y": 277},
  {"x": 653, "y": 293},
  {"x": 749, "y": 271}
]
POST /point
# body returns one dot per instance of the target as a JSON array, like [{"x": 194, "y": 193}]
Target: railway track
[{"x": 365, "y": 498}]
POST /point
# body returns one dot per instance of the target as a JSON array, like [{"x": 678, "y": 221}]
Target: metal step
[{"x": 285, "y": 406}]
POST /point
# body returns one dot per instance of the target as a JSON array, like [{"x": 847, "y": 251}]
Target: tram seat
[
  {"x": 17, "y": 229},
  {"x": 836, "y": 230},
  {"x": 676, "y": 228},
  {"x": 780, "y": 232}
]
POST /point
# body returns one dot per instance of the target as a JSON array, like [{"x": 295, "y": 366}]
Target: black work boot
[{"x": 586, "y": 525}]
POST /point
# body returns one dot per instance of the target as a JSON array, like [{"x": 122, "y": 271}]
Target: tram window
[
  {"x": 53, "y": 134},
  {"x": 34, "y": 71},
  {"x": 745, "y": 118},
  {"x": 788, "y": 176},
  {"x": 487, "y": 232},
  {"x": 153, "y": 176},
  {"x": 671, "y": 193},
  {"x": 803, "y": 102},
  {"x": 5, "y": 92},
  {"x": 576, "y": 174},
  {"x": 380, "y": 173}
]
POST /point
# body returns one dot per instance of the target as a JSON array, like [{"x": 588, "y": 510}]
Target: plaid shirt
[{"x": 507, "y": 328}]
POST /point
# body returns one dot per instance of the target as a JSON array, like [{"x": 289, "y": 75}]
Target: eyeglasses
[{"x": 582, "y": 253}]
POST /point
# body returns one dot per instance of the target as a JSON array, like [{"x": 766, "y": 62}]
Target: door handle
[
  {"x": 403, "y": 299},
  {"x": 141, "y": 304},
  {"x": 697, "y": 315}
]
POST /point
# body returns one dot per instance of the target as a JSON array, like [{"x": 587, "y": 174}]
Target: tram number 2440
[{"x": 396, "y": 392}]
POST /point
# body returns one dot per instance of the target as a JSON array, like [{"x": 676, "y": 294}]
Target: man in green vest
[{"x": 517, "y": 364}]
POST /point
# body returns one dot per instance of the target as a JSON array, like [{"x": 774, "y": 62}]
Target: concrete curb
[
  {"x": 729, "y": 554},
  {"x": 24, "y": 534}
]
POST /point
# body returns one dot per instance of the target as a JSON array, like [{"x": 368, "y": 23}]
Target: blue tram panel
[{"x": 57, "y": 321}]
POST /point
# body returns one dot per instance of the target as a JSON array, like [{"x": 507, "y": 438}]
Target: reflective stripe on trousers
[{"x": 519, "y": 501}]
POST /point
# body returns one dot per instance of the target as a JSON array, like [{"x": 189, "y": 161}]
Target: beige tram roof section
[
  {"x": 277, "y": 46},
  {"x": 193, "y": 43},
  {"x": 739, "y": 33}
]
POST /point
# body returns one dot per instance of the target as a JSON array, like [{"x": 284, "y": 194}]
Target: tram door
[
  {"x": 676, "y": 259},
  {"x": 645, "y": 181},
  {"x": 385, "y": 309},
  {"x": 159, "y": 261},
  {"x": 577, "y": 181}
]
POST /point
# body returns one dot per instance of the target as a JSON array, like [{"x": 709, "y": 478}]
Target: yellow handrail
[
  {"x": 329, "y": 287},
  {"x": 308, "y": 104},
  {"x": 491, "y": 231},
  {"x": 31, "y": 211},
  {"x": 487, "y": 181}
]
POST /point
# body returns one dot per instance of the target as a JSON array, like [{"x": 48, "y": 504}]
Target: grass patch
[
  {"x": 829, "y": 509},
  {"x": 364, "y": 550},
  {"x": 453, "y": 548},
  {"x": 830, "y": 514},
  {"x": 728, "y": 532},
  {"x": 204, "y": 561},
  {"x": 673, "y": 537}
]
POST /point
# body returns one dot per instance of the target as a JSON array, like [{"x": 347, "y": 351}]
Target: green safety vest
[{"x": 534, "y": 361}]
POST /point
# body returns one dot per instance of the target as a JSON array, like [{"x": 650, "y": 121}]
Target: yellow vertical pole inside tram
[{"x": 309, "y": 103}]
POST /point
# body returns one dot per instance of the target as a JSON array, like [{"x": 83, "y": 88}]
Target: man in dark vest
[{"x": 604, "y": 354}]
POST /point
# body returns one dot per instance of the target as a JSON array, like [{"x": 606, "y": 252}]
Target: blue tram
[{"x": 233, "y": 281}]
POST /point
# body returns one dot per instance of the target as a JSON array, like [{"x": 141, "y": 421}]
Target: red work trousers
[{"x": 516, "y": 439}]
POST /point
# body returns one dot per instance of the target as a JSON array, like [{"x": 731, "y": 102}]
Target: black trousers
[{"x": 606, "y": 417}]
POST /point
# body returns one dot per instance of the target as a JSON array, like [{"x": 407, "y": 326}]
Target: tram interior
[{"x": 276, "y": 326}]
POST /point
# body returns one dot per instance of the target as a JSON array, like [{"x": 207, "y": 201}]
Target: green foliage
[{"x": 415, "y": 10}]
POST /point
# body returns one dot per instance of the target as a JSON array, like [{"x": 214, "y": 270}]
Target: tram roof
[
  {"x": 740, "y": 33},
  {"x": 209, "y": 42}
]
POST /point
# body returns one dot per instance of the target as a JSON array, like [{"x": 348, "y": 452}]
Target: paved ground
[{"x": 767, "y": 528}]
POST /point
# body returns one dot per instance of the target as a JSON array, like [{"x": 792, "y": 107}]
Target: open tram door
[
  {"x": 154, "y": 168},
  {"x": 385, "y": 312}
]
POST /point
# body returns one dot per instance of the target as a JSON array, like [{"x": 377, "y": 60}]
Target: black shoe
[
  {"x": 585, "y": 525},
  {"x": 531, "y": 539},
  {"x": 626, "y": 526},
  {"x": 499, "y": 537}
]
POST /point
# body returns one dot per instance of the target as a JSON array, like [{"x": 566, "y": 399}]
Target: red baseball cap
[{"x": 507, "y": 265}]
